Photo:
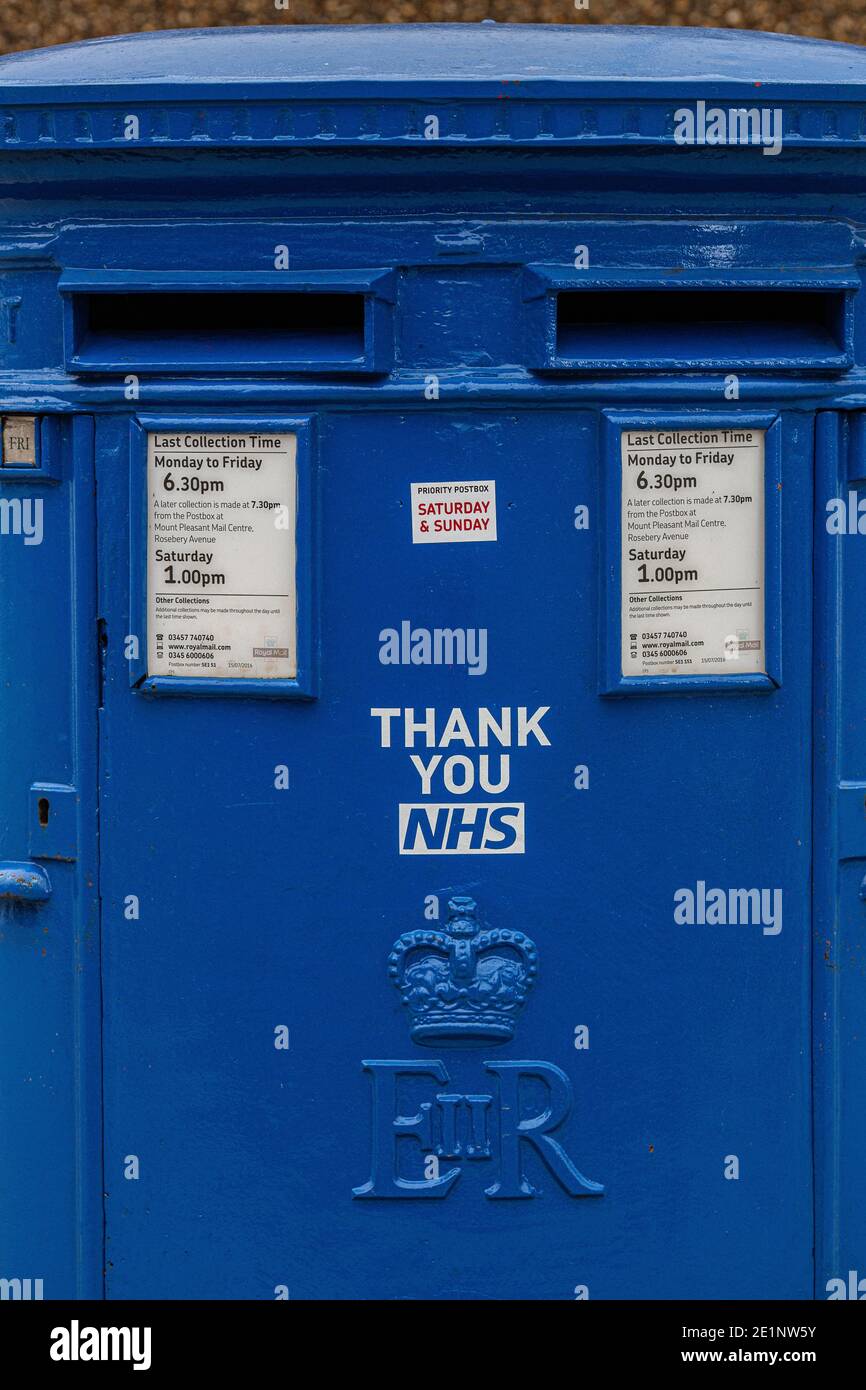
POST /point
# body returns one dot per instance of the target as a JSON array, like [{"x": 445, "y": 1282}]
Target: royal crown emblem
[{"x": 463, "y": 983}]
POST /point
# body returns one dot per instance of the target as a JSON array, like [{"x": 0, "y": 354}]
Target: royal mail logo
[
  {"x": 469, "y": 827},
  {"x": 464, "y": 985}
]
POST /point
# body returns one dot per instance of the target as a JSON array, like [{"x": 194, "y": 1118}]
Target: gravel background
[{"x": 34, "y": 23}]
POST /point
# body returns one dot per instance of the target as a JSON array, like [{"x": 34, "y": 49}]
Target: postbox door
[
  {"x": 473, "y": 975},
  {"x": 50, "y": 1160}
]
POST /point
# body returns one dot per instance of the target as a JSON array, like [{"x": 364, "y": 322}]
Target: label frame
[
  {"x": 611, "y": 679},
  {"x": 304, "y": 686},
  {"x": 50, "y": 446}
]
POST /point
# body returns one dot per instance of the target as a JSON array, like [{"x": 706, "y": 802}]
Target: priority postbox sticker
[
  {"x": 444, "y": 512},
  {"x": 221, "y": 581}
]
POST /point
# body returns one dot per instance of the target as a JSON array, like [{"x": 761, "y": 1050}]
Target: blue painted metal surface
[{"x": 227, "y": 1096}]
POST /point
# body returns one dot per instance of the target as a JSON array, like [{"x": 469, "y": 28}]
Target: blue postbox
[{"x": 433, "y": 565}]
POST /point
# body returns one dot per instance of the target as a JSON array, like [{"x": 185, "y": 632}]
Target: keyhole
[{"x": 43, "y": 808}]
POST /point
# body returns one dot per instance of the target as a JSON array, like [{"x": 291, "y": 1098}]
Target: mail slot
[
  {"x": 432, "y": 525},
  {"x": 726, "y": 324}
]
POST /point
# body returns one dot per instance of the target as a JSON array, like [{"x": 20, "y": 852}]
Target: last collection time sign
[
  {"x": 692, "y": 556},
  {"x": 221, "y": 555}
]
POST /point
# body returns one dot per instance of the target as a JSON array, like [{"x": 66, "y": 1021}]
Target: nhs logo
[
  {"x": 488, "y": 739},
  {"x": 469, "y": 827}
]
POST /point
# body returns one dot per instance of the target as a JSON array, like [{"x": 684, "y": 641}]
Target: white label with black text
[
  {"x": 221, "y": 554},
  {"x": 463, "y": 511},
  {"x": 692, "y": 562}
]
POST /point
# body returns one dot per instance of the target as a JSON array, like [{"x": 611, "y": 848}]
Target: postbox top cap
[{"x": 401, "y": 60}]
